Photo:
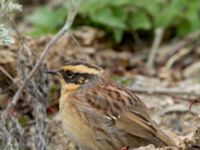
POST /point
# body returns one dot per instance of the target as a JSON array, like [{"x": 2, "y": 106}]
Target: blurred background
[{"x": 151, "y": 47}]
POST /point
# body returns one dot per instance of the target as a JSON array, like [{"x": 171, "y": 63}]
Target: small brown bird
[{"x": 98, "y": 114}]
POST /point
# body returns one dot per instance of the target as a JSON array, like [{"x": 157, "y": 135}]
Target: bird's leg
[
  {"x": 124, "y": 148},
  {"x": 77, "y": 148}
]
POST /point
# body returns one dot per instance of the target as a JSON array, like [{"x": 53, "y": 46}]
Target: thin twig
[
  {"x": 72, "y": 13},
  {"x": 86, "y": 57},
  {"x": 7, "y": 74},
  {"x": 175, "y": 46},
  {"x": 164, "y": 91},
  {"x": 176, "y": 57},
  {"x": 15, "y": 83},
  {"x": 194, "y": 101},
  {"x": 155, "y": 46},
  {"x": 76, "y": 41}
]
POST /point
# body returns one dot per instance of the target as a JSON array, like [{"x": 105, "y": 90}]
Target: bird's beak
[{"x": 53, "y": 72}]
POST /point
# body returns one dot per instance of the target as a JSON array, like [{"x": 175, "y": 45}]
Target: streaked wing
[
  {"x": 125, "y": 112},
  {"x": 115, "y": 100}
]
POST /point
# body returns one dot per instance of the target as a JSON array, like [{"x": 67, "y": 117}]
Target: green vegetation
[
  {"x": 46, "y": 20},
  {"x": 5, "y": 38},
  {"x": 126, "y": 81},
  {"x": 7, "y": 11},
  {"x": 119, "y": 16}
]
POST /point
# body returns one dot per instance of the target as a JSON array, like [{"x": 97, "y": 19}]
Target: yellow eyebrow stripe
[{"x": 81, "y": 69}]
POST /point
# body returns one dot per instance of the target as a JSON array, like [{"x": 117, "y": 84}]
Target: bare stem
[{"x": 155, "y": 46}]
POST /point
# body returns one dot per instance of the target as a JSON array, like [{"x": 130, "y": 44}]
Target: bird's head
[{"x": 76, "y": 74}]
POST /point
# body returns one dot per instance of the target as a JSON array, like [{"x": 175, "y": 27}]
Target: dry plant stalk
[
  {"x": 7, "y": 140},
  {"x": 37, "y": 92},
  {"x": 155, "y": 46}
]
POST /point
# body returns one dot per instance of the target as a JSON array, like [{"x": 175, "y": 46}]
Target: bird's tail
[{"x": 164, "y": 139}]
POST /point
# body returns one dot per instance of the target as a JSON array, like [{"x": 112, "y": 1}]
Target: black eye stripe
[
  {"x": 68, "y": 75},
  {"x": 73, "y": 77}
]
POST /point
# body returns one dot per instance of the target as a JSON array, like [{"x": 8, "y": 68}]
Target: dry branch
[{"x": 165, "y": 91}]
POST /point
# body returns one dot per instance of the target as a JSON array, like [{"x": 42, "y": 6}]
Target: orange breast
[{"x": 74, "y": 123}]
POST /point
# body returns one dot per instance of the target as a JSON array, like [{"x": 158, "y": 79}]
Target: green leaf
[
  {"x": 190, "y": 17},
  {"x": 151, "y": 7},
  {"x": 118, "y": 34},
  {"x": 184, "y": 28},
  {"x": 39, "y": 31},
  {"x": 110, "y": 17},
  {"x": 47, "y": 20},
  {"x": 168, "y": 14},
  {"x": 121, "y": 3},
  {"x": 193, "y": 16},
  {"x": 139, "y": 20},
  {"x": 123, "y": 80},
  {"x": 22, "y": 120},
  {"x": 89, "y": 6}
]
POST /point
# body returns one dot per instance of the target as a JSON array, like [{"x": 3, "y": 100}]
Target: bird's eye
[
  {"x": 70, "y": 75},
  {"x": 67, "y": 75}
]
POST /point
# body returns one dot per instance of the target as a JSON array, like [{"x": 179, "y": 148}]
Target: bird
[{"x": 99, "y": 114}]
